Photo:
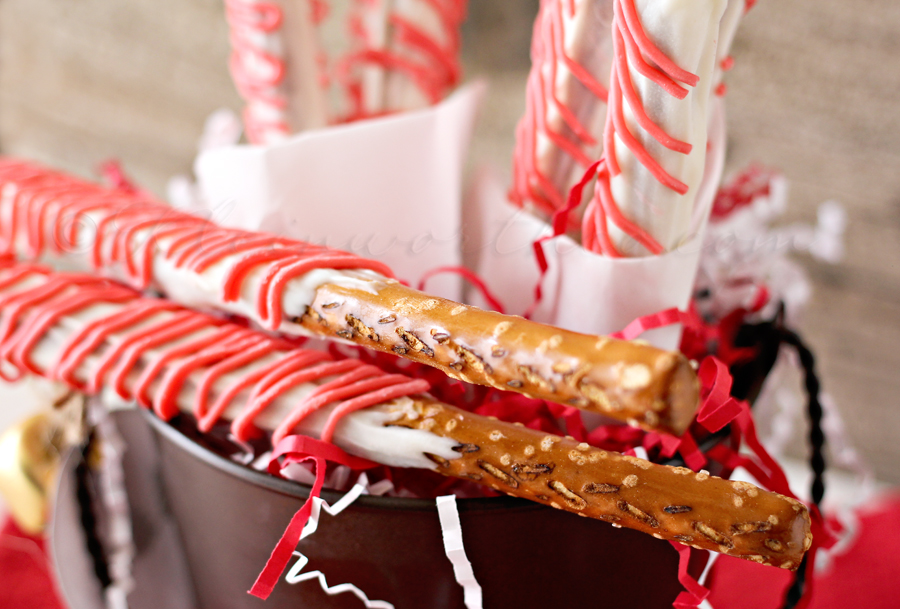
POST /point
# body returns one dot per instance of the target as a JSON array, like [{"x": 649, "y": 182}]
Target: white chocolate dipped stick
[
  {"x": 560, "y": 135},
  {"x": 424, "y": 32},
  {"x": 407, "y": 56},
  {"x": 369, "y": 25},
  {"x": 276, "y": 64},
  {"x": 302, "y": 289},
  {"x": 656, "y": 134},
  {"x": 96, "y": 336}
]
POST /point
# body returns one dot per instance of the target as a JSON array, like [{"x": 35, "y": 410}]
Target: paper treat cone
[
  {"x": 387, "y": 188},
  {"x": 583, "y": 291}
]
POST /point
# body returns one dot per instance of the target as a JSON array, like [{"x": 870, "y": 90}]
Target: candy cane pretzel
[
  {"x": 278, "y": 66},
  {"x": 97, "y": 336},
  {"x": 558, "y": 137},
  {"x": 258, "y": 67},
  {"x": 297, "y": 288},
  {"x": 406, "y": 55},
  {"x": 655, "y": 138},
  {"x": 90, "y": 333}
]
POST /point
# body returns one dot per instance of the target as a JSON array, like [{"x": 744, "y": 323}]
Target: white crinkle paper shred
[
  {"x": 296, "y": 575},
  {"x": 117, "y": 535},
  {"x": 456, "y": 552}
]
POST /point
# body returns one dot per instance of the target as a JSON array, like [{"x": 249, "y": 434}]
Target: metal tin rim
[{"x": 301, "y": 491}]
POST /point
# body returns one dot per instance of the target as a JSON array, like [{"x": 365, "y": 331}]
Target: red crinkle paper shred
[
  {"x": 299, "y": 449},
  {"x": 717, "y": 410}
]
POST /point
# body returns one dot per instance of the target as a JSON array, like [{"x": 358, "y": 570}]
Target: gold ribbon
[{"x": 30, "y": 458}]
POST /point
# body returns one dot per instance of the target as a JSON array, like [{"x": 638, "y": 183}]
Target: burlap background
[{"x": 814, "y": 92}]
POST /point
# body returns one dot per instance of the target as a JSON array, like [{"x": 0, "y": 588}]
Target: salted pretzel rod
[
  {"x": 277, "y": 65},
  {"x": 560, "y": 134},
  {"x": 298, "y": 288},
  {"x": 406, "y": 55},
  {"x": 97, "y": 336},
  {"x": 656, "y": 127}
]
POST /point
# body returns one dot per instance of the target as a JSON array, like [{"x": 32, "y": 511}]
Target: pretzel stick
[
  {"x": 275, "y": 65},
  {"x": 301, "y": 289},
  {"x": 66, "y": 328},
  {"x": 560, "y": 134},
  {"x": 674, "y": 503},
  {"x": 642, "y": 385},
  {"x": 41, "y": 329},
  {"x": 407, "y": 56},
  {"x": 656, "y": 133}
]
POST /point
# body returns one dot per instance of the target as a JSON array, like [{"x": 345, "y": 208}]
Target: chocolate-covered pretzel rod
[
  {"x": 301, "y": 289},
  {"x": 99, "y": 337}
]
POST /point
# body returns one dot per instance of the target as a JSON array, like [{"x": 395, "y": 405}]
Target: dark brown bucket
[{"x": 523, "y": 555}]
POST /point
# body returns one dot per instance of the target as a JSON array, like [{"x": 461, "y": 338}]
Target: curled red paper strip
[{"x": 299, "y": 449}]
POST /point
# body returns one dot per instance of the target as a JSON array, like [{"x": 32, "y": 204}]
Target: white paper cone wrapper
[
  {"x": 583, "y": 291},
  {"x": 387, "y": 188}
]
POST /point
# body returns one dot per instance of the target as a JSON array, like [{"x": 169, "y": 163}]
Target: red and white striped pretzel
[
  {"x": 655, "y": 137},
  {"x": 652, "y": 132},
  {"x": 278, "y": 66},
  {"x": 297, "y": 288},
  {"x": 558, "y": 138},
  {"x": 91, "y": 333},
  {"x": 257, "y": 71},
  {"x": 94, "y": 335},
  {"x": 406, "y": 54}
]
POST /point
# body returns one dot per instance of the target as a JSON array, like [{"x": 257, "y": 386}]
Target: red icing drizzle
[
  {"x": 632, "y": 48},
  {"x": 131, "y": 232},
  {"x": 433, "y": 65},
  {"x": 548, "y": 55},
  {"x": 257, "y": 73},
  {"x": 165, "y": 344}
]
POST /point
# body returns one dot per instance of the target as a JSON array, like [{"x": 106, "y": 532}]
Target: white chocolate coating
[
  {"x": 687, "y": 31},
  {"x": 362, "y": 433}
]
